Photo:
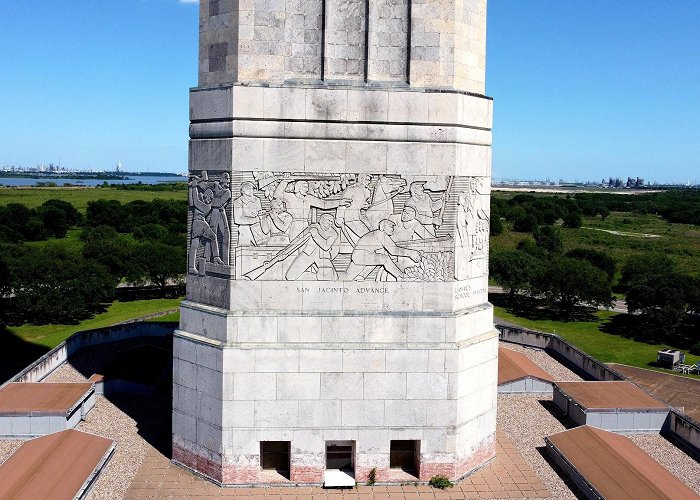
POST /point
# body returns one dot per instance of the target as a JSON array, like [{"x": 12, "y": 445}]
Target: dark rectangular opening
[
  {"x": 404, "y": 455},
  {"x": 275, "y": 455},
  {"x": 339, "y": 455}
]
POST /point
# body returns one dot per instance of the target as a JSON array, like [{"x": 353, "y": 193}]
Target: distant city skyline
[{"x": 583, "y": 91}]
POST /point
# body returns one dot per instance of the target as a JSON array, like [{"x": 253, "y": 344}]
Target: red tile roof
[
  {"x": 56, "y": 466},
  {"x": 615, "y": 467},
  {"x": 515, "y": 366},
  {"x": 609, "y": 395},
  {"x": 28, "y": 397}
]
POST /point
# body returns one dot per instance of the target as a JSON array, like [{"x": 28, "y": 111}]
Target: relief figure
[
  {"x": 247, "y": 210},
  {"x": 276, "y": 224},
  {"x": 218, "y": 221},
  {"x": 472, "y": 230},
  {"x": 201, "y": 232},
  {"x": 320, "y": 248},
  {"x": 376, "y": 248},
  {"x": 299, "y": 203},
  {"x": 428, "y": 211}
]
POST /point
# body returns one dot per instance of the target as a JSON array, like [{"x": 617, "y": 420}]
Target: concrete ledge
[{"x": 344, "y": 104}]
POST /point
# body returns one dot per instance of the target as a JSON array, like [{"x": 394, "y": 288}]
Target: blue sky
[{"x": 583, "y": 89}]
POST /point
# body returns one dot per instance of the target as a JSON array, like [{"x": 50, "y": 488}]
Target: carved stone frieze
[{"x": 338, "y": 227}]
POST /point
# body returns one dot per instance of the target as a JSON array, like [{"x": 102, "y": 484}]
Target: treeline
[
  {"x": 526, "y": 211},
  {"x": 139, "y": 186},
  {"x": 64, "y": 281},
  {"x": 679, "y": 205}
]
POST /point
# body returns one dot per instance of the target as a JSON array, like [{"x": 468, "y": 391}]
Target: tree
[
  {"x": 573, "y": 219},
  {"x": 54, "y": 284},
  {"x": 157, "y": 263},
  {"x": 548, "y": 238},
  {"x": 599, "y": 259},
  {"x": 105, "y": 245},
  {"x": 513, "y": 270},
  {"x": 661, "y": 297},
  {"x": 528, "y": 246},
  {"x": 57, "y": 216},
  {"x": 571, "y": 283},
  {"x": 523, "y": 221},
  {"x": 495, "y": 226},
  {"x": 639, "y": 267}
]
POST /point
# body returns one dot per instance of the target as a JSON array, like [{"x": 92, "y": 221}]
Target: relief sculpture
[
  {"x": 210, "y": 235},
  {"x": 329, "y": 227},
  {"x": 472, "y": 232}
]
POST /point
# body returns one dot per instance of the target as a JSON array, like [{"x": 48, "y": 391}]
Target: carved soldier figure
[
  {"x": 356, "y": 197},
  {"x": 275, "y": 225},
  {"x": 201, "y": 206},
  {"x": 425, "y": 207},
  {"x": 246, "y": 214},
  {"x": 217, "y": 220},
  {"x": 375, "y": 249},
  {"x": 299, "y": 203},
  {"x": 407, "y": 226},
  {"x": 320, "y": 250}
]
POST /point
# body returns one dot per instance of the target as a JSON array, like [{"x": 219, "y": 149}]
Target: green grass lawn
[
  {"x": 79, "y": 196},
  {"x": 52, "y": 335},
  {"x": 587, "y": 336},
  {"x": 167, "y": 318}
]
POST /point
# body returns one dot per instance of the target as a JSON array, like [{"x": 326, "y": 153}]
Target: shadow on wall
[
  {"x": 16, "y": 353},
  {"x": 138, "y": 380}
]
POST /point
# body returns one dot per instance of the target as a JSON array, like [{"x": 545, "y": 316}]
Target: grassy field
[
  {"x": 586, "y": 335},
  {"x": 168, "y": 317},
  {"x": 79, "y": 196},
  {"x": 52, "y": 335},
  {"x": 681, "y": 242}
]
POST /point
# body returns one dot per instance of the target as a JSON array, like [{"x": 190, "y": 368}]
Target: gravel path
[
  {"x": 526, "y": 420},
  {"x": 65, "y": 374},
  {"x": 110, "y": 421},
  {"x": 8, "y": 447},
  {"x": 544, "y": 361},
  {"x": 107, "y": 420}
]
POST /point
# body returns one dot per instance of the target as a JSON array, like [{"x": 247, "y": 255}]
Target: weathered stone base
[
  {"x": 313, "y": 475},
  {"x": 198, "y": 463}
]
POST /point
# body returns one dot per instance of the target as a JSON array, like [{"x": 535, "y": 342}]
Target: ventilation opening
[
  {"x": 275, "y": 455},
  {"x": 404, "y": 455}
]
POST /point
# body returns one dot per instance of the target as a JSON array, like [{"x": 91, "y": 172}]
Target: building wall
[
  {"x": 312, "y": 391},
  {"x": 427, "y": 44},
  {"x": 354, "y": 111}
]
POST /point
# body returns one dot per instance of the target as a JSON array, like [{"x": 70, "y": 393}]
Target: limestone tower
[{"x": 336, "y": 319}]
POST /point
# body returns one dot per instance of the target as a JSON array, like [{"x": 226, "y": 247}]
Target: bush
[
  {"x": 372, "y": 478},
  {"x": 440, "y": 482}
]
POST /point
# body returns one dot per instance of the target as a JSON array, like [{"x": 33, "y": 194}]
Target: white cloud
[{"x": 189, "y": 1}]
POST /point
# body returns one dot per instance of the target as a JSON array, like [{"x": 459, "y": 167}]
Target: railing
[{"x": 45, "y": 365}]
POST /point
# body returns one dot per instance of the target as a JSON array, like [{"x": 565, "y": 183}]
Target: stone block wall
[
  {"x": 362, "y": 386},
  {"x": 340, "y": 164},
  {"x": 424, "y": 43}
]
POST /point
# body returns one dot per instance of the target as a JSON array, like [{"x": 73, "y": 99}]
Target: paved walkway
[
  {"x": 681, "y": 392},
  {"x": 507, "y": 476}
]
